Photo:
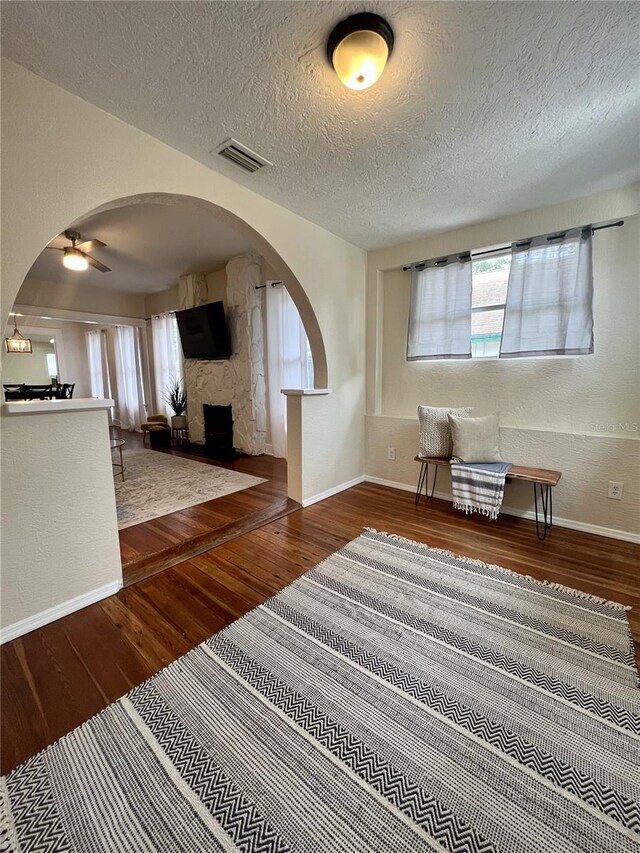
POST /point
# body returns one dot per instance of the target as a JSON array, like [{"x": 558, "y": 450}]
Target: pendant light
[
  {"x": 16, "y": 343},
  {"x": 358, "y": 49}
]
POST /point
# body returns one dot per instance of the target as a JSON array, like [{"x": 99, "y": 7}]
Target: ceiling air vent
[{"x": 242, "y": 156}]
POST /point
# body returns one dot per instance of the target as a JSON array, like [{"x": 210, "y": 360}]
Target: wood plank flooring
[
  {"x": 163, "y": 542},
  {"x": 60, "y": 675}
]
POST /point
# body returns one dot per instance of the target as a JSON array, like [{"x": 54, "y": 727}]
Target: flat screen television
[{"x": 204, "y": 333}]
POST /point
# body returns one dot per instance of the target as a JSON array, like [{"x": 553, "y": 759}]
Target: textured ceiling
[
  {"x": 485, "y": 109},
  {"x": 148, "y": 247}
]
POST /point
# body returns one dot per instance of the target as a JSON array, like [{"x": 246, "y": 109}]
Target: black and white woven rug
[{"x": 395, "y": 699}]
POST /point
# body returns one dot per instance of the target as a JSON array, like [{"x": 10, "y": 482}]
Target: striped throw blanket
[{"x": 479, "y": 486}]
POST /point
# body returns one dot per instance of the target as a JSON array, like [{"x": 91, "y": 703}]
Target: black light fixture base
[{"x": 354, "y": 24}]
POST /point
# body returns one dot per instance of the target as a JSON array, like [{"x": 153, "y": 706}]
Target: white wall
[
  {"x": 59, "y": 527},
  {"x": 580, "y": 415}
]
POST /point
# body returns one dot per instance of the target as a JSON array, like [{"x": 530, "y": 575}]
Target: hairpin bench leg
[
  {"x": 546, "y": 500},
  {"x": 422, "y": 481}
]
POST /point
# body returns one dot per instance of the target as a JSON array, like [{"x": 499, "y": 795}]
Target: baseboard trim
[
  {"x": 321, "y": 496},
  {"x": 17, "y": 629},
  {"x": 583, "y": 527}
]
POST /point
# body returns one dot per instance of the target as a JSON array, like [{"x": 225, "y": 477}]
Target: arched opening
[
  {"x": 260, "y": 244},
  {"x": 213, "y": 219}
]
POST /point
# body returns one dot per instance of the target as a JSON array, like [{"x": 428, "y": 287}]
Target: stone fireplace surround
[{"x": 240, "y": 380}]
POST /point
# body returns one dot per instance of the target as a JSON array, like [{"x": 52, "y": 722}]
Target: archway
[
  {"x": 276, "y": 263},
  {"x": 273, "y": 258}
]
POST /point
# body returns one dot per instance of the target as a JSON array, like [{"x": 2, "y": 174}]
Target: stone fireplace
[{"x": 238, "y": 382}]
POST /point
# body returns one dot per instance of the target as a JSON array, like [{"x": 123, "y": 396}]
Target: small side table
[
  {"x": 179, "y": 435},
  {"x": 118, "y": 467}
]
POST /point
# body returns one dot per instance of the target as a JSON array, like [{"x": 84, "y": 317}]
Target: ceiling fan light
[
  {"x": 73, "y": 259},
  {"x": 358, "y": 49}
]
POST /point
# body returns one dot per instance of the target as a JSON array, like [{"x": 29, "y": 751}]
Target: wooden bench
[{"x": 540, "y": 477}]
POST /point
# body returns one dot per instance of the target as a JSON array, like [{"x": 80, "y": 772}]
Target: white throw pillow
[
  {"x": 475, "y": 439},
  {"x": 435, "y": 430}
]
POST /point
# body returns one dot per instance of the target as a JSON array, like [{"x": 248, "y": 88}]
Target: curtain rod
[
  {"x": 273, "y": 284},
  {"x": 519, "y": 243}
]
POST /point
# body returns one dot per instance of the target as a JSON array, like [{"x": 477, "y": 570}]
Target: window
[
  {"x": 489, "y": 277},
  {"x": 52, "y": 365},
  {"x": 533, "y": 298}
]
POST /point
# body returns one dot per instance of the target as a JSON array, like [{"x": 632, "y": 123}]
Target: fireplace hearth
[{"x": 218, "y": 432}]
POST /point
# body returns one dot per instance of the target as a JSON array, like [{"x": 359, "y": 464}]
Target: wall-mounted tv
[{"x": 204, "y": 333}]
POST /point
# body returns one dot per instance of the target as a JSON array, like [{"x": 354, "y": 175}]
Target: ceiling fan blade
[
  {"x": 97, "y": 264},
  {"x": 57, "y": 248},
  {"x": 90, "y": 245}
]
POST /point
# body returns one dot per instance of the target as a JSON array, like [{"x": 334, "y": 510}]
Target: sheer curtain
[
  {"x": 128, "y": 364},
  {"x": 167, "y": 357},
  {"x": 288, "y": 361},
  {"x": 549, "y": 309},
  {"x": 440, "y": 310},
  {"x": 98, "y": 372}
]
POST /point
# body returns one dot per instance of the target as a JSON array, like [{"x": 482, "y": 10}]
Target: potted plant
[{"x": 176, "y": 398}]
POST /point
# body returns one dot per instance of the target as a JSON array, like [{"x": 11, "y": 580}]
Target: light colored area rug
[
  {"x": 157, "y": 484},
  {"x": 394, "y": 699}
]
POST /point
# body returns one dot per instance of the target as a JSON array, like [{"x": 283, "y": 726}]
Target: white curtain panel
[
  {"x": 167, "y": 357},
  {"x": 128, "y": 371},
  {"x": 549, "y": 308},
  {"x": 287, "y": 361},
  {"x": 102, "y": 383},
  {"x": 440, "y": 311}
]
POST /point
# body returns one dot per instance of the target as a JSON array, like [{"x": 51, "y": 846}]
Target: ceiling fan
[{"x": 75, "y": 256}]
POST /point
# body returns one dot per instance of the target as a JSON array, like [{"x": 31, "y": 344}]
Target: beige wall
[
  {"x": 74, "y": 365},
  {"x": 71, "y": 349},
  {"x": 76, "y": 296},
  {"x": 27, "y": 368},
  {"x": 578, "y": 415}
]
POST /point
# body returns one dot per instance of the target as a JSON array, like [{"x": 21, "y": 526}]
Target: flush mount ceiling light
[
  {"x": 358, "y": 49},
  {"x": 16, "y": 343}
]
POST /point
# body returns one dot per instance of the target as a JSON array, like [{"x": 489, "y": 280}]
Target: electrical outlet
[
  {"x": 615, "y": 491},
  {"x": 391, "y": 454}
]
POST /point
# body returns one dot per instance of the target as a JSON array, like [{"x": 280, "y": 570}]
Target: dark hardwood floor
[
  {"x": 55, "y": 678},
  {"x": 163, "y": 542}
]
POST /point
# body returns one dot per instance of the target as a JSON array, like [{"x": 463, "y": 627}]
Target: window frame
[{"x": 501, "y": 306}]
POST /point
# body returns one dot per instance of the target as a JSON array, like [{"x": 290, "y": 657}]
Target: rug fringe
[{"x": 577, "y": 593}]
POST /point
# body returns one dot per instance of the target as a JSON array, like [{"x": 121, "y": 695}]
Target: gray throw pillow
[
  {"x": 475, "y": 439},
  {"x": 435, "y": 431}
]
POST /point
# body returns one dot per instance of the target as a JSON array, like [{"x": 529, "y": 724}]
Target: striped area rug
[{"x": 394, "y": 699}]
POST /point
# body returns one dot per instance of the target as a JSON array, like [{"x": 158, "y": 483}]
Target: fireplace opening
[{"x": 218, "y": 432}]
